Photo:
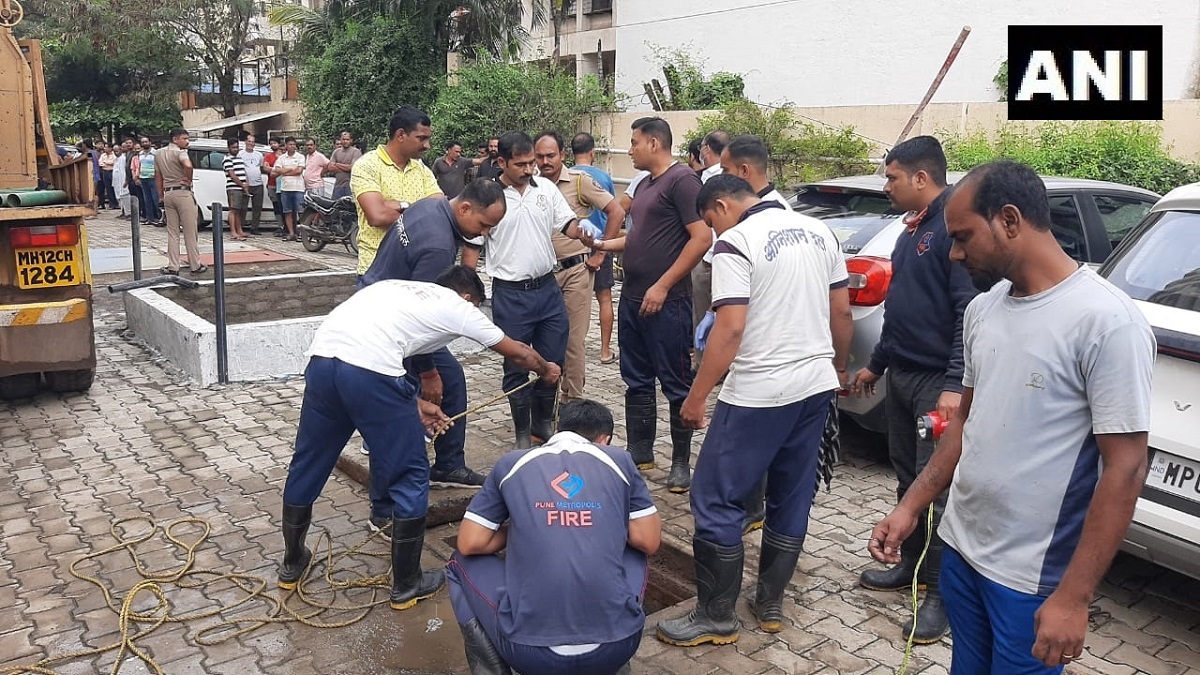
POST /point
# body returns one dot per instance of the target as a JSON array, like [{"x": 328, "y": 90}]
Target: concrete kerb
[{"x": 257, "y": 350}]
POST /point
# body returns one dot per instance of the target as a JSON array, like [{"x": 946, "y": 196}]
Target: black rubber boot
[
  {"x": 932, "y": 624},
  {"x": 482, "y": 657},
  {"x": 641, "y": 422},
  {"x": 776, "y": 563},
  {"x": 409, "y": 583},
  {"x": 521, "y": 421},
  {"x": 900, "y": 577},
  {"x": 545, "y": 400},
  {"x": 756, "y": 508},
  {"x": 718, "y": 580},
  {"x": 680, "y": 478},
  {"x": 296, "y": 555}
]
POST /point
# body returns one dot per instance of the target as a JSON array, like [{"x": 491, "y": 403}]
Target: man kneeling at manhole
[
  {"x": 576, "y": 522},
  {"x": 355, "y": 380}
]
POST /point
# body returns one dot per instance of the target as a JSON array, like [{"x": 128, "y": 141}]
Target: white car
[{"x": 1158, "y": 265}]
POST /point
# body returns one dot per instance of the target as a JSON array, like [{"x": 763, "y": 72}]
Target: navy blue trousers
[
  {"x": 744, "y": 443},
  {"x": 656, "y": 347},
  {"x": 450, "y": 447},
  {"x": 475, "y": 582},
  {"x": 339, "y": 398},
  {"x": 536, "y": 317}
]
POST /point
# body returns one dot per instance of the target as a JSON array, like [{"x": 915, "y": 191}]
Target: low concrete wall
[{"x": 257, "y": 350}]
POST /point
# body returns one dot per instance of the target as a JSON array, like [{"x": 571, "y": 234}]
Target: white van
[{"x": 208, "y": 178}]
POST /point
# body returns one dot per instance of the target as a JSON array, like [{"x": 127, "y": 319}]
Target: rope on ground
[
  {"x": 307, "y": 604},
  {"x": 908, "y": 645}
]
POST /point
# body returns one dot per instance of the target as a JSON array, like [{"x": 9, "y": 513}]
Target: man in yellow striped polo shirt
[{"x": 392, "y": 174}]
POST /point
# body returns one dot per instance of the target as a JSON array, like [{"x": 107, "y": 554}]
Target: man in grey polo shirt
[{"x": 1058, "y": 364}]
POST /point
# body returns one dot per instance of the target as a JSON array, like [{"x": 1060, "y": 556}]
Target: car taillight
[
  {"x": 43, "y": 235},
  {"x": 869, "y": 280}
]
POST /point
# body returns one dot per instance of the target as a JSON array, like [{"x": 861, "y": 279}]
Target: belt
[
  {"x": 526, "y": 285},
  {"x": 568, "y": 263},
  {"x": 177, "y": 187}
]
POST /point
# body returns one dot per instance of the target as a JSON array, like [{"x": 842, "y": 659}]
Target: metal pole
[
  {"x": 219, "y": 293},
  {"x": 933, "y": 87},
  {"x": 135, "y": 225}
]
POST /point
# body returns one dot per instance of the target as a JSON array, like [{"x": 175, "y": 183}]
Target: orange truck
[{"x": 46, "y": 331}]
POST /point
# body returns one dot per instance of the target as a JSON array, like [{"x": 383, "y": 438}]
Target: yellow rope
[
  {"x": 908, "y": 646},
  {"x": 314, "y": 596}
]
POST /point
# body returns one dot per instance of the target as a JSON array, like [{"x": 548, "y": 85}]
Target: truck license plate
[
  {"x": 1174, "y": 475},
  {"x": 47, "y": 267}
]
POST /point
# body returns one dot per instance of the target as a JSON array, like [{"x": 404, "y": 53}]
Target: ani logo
[
  {"x": 567, "y": 485},
  {"x": 923, "y": 245}
]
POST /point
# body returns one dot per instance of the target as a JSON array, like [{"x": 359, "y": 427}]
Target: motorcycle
[{"x": 328, "y": 221}]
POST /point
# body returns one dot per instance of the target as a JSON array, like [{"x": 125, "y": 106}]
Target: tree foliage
[
  {"x": 124, "y": 118},
  {"x": 1124, "y": 152},
  {"x": 688, "y": 86},
  {"x": 212, "y": 32},
  {"x": 800, "y": 152},
  {"x": 363, "y": 72},
  {"x": 489, "y": 97}
]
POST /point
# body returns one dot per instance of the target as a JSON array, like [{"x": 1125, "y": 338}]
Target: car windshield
[
  {"x": 855, "y": 217},
  {"x": 1162, "y": 264}
]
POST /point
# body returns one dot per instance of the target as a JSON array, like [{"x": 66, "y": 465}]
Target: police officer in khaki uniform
[
  {"x": 173, "y": 177},
  {"x": 576, "y": 263}
]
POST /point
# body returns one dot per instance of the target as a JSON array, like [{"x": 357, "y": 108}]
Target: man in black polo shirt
[
  {"x": 419, "y": 249},
  {"x": 654, "y": 318}
]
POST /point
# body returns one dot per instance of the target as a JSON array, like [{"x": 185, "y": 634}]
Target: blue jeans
[
  {"x": 656, "y": 347},
  {"x": 339, "y": 192},
  {"x": 785, "y": 445},
  {"x": 292, "y": 202},
  {"x": 475, "y": 583},
  {"x": 151, "y": 210},
  {"x": 992, "y": 624},
  {"x": 536, "y": 317},
  {"x": 339, "y": 398}
]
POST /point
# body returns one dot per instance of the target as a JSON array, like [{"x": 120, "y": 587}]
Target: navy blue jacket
[
  {"x": 424, "y": 249},
  {"x": 923, "y": 317}
]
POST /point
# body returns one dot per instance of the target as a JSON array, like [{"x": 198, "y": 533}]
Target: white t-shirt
[
  {"x": 629, "y": 190},
  {"x": 772, "y": 196},
  {"x": 1049, "y": 372},
  {"x": 519, "y": 247},
  {"x": 389, "y": 321},
  {"x": 782, "y": 265},
  {"x": 291, "y": 183},
  {"x": 253, "y": 161}
]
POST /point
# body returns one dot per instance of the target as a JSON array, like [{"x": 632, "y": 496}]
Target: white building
[{"x": 844, "y": 52}]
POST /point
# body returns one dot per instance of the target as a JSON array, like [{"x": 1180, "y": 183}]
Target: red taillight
[
  {"x": 869, "y": 280},
  {"x": 831, "y": 190},
  {"x": 43, "y": 235}
]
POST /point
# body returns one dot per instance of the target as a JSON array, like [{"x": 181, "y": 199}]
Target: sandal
[
  {"x": 202, "y": 269},
  {"x": 611, "y": 359},
  {"x": 167, "y": 271}
]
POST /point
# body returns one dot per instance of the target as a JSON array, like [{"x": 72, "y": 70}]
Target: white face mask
[{"x": 476, "y": 241}]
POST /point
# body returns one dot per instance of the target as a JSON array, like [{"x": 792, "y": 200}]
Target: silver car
[
  {"x": 1089, "y": 218},
  {"x": 1159, "y": 267}
]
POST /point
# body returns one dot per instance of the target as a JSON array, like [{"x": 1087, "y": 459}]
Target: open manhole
[{"x": 672, "y": 576}]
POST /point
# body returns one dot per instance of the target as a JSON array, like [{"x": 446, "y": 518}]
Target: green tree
[
  {"x": 1124, "y": 152},
  {"x": 363, "y": 72},
  {"x": 489, "y": 97},
  {"x": 213, "y": 32},
  {"x": 800, "y": 152}
]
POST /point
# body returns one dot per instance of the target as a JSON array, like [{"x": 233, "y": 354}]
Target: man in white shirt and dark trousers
[
  {"x": 355, "y": 380},
  {"x": 1046, "y": 456},
  {"x": 526, "y": 300},
  {"x": 782, "y": 331}
]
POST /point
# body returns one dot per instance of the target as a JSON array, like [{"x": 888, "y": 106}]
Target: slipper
[
  {"x": 610, "y": 359},
  {"x": 201, "y": 270},
  {"x": 168, "y": 271}
]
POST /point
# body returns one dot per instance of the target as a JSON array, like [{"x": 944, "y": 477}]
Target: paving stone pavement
[{"x": 144, "y": 441}]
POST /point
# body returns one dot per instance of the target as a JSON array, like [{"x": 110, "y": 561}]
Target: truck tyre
[
  {"x": 19, "y": 386},
  {"x": 70, "y": 380}
]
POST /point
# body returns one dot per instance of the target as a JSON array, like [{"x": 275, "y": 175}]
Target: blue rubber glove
[
  {"x": 592, "y": 229},
  {"x": 702, "y": 330}
]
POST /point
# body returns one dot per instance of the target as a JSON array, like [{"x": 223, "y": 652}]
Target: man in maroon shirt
[{"x": 654, "y": 318}]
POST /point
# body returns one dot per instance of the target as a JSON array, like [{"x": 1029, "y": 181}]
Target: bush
[
  {"x": 800, "y": 152},
  {"x": 487, "y": 97},
  {"x": 362, "y": 73},
  {"x": 689, "y": 88},
  {"x": 1123, "y": 152}
]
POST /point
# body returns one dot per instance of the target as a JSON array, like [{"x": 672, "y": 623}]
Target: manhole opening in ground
[{"x": 672, "y": 576}]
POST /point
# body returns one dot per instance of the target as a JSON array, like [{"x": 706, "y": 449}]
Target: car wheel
[
  {"x": 70, "y": 380},
  {"x": 19, "y": 386}
]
